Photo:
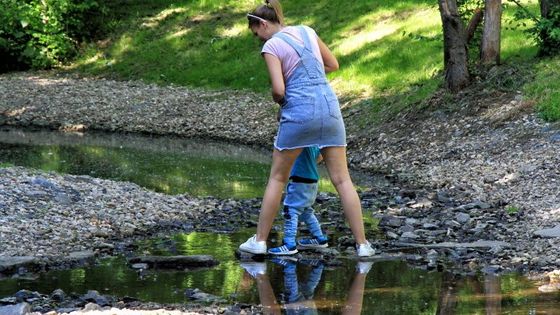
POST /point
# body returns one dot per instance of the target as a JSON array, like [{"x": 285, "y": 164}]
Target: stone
[
  {"x": 176, "y": 262},
  {"x": 391, "y": 221},
  {"x": 142, "y": 266},
  {"x": 93, "y": 296},
  {"x": 18, "y": 309},
  {"x": 81, "y": 256},
  {"x": 198, "y": 295},
  {"x": 12, "y": 264},
  {"x": 58, "y": 295},
  {"x": 477, "y": 244},
  {"x": 549, "y": 233},
  {"x": 462, "y": 218},
  {"x": 407, "y": 228},
  {"x": 91, "y": 307},
  {"x": 409, "y": 235}
]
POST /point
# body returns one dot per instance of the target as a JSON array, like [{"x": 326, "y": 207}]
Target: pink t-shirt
[{"x": 287, "y": 55}]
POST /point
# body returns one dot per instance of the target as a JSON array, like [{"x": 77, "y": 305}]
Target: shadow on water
[
  {"x": 169, "y": 165},
  {"x": 297, "y": 285}
]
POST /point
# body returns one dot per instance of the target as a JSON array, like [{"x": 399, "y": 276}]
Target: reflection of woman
[
  {"x": 299, "y": 298},
  {"x": 297, "y": 60}
]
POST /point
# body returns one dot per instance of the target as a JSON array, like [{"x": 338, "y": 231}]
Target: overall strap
[
  {"x": 305, "y": 36},
  {"x": 298, "y": 48}
]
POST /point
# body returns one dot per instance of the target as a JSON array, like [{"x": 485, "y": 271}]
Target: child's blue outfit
[{"x": 301, "y": 193}]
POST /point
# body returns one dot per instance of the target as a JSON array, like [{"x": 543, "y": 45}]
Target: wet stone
[
  {"x": 58, "y": 295},
  {"x": 18, "y": 309},
  {"x": 12, "y": 264},
  {"x": 95, "y": 297},
  {"x": 176, "y": 262}
]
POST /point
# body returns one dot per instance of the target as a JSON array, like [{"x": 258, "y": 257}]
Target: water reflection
[
  {"x": 169, "y": 165},
  {"x": 298, "y": 297},
  {"x": 297, "y": 286}
]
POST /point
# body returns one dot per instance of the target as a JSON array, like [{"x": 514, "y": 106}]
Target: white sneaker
[
  {"x": 253, "y": 247},
  {"x": 365, "y": 250},
  {"x": 363, "y": 266},
  {"x": 254, "y": 268}
]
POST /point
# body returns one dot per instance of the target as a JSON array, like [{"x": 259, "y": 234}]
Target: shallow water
[
  {"x": 174, "y": 165},
  {"x": 390, "y": 286},
  {"x": 169, "y": 165}
]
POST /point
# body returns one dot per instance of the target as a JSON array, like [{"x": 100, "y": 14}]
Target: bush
[
  {"x": 41, "y": 33},
  {"x": 545, "y": 30},
  {"x": 548, "y": 31}
]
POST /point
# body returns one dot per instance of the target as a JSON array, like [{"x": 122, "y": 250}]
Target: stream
[{"x": 173, "y": 165}]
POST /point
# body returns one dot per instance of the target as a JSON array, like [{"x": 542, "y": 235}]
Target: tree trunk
[
  {"x": 447, "y": 298},
  {"x": 490, "y": 46},
  {"x": 493, "y": 294},
  {"x": 473, "y": 23},
  {"x": 454, "y": 46}
]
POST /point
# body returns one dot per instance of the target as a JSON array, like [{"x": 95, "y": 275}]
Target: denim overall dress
[{"x": 311, "y": 112}]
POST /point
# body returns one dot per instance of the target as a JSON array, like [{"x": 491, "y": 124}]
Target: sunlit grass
[
  {"x": 545, "y": 89},
  {"x": 390, "y": 52},
  {"x": 516, "y": 44}
]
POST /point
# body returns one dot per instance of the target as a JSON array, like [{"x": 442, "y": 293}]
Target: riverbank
[{"x": 483, "y": 168}]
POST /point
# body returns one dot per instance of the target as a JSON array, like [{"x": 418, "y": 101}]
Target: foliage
[
  {"x": 205, "y": 43},
  {"x": 43, "y": 33},
  {"x": 545, "y": 30},
  {"x": 548, "y": 31},
  {"x": 390, "y": 52},
  {"x": 468, "y": 7}
]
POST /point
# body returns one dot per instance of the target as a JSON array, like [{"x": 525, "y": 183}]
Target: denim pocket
[
  {"x": 334, "y": 106},
  {"x": 298, "y": 110}
]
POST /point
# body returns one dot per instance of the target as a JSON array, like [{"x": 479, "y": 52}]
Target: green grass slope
[{"x": 390, "y": 52}]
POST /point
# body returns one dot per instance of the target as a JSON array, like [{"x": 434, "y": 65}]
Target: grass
[
  {"x": 390, "y": 52},
  {"x": 545, "y": 88},
  {"x": 512, "y": 209},
  {"x": 4, "y": 165}
]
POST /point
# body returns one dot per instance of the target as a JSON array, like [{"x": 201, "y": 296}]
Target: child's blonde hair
[{"x": 271, "y": 11}]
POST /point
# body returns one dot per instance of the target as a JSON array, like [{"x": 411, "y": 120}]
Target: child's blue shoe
[
  {"x": 283, "y": 250},
  {"x": 313, "y": 243}
]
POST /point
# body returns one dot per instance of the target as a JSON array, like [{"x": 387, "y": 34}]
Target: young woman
[{"x": 297, "y": 60}]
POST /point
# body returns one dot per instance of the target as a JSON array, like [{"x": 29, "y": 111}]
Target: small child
[{"x": 301, "y": 192}]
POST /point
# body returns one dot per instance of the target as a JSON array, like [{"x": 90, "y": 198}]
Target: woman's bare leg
[
  {"x": 282, "y": 162},
  {"x": 335, "y": 159}
]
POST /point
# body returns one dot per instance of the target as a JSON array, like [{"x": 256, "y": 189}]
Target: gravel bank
[{"x": 488, "y": 157}]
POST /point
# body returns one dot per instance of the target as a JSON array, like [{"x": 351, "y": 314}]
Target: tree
[
  {"x": 490, "y": 45},
  {"x": 454, "y": 46},
  {"x": 550, "y": 30},
  {"x": 547, "y": 6}
]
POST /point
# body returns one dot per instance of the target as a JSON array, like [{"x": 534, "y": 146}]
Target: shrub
[
  {"x": 42, "y": 33},
  {"x": 545, "y": 30}
]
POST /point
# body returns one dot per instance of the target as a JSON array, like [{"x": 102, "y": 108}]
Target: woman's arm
[
  {"x": 331, "y": 64},
  {"x": 276, "y": 77}
]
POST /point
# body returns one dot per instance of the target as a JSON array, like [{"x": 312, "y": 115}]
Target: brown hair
[{"x": 271, "y": 11}]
